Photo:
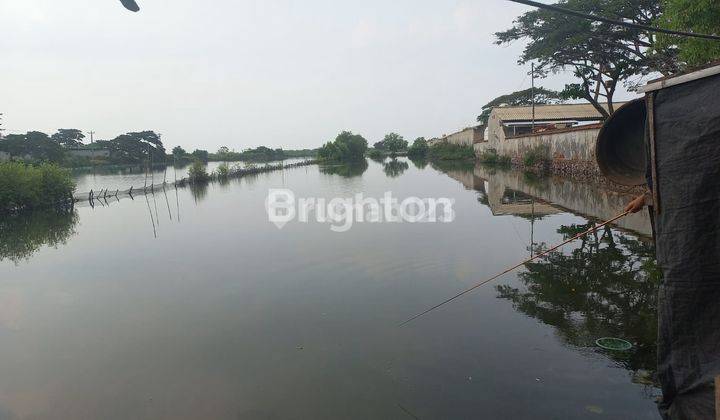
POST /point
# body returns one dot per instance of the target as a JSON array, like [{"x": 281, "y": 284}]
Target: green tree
[
  {"x": 394, "y": 143},
  {"x": 197, "y": 173},
  {"x": 346, "y": 147},
  {"x": 418, "y": 149},
  {"x": 201, "y": 155},
  {"x": 33, "y": 145},
  {"x": 136, "y": 147},
  {"x": 520, "y": 98},
  {"x": 178, "y": 152},
  {"x": 68, "y": 137},
  {"x": 601, "y": 55},
  {"x": 702, "y": 16}
]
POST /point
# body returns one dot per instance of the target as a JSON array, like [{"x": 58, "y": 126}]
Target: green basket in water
[{"x": 611, "y": 343}]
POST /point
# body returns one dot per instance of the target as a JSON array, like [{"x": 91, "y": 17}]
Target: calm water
[{"x": 192, "y": 305}]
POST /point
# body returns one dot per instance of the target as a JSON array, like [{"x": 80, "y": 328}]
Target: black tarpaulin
[{"x": 687, "y": 237}]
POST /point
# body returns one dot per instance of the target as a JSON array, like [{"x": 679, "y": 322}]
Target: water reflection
[
  {"x": 23, "y": 235},
  {"x": 558, "y": 193},
  {"x": 420, "y": 163},
  {"x": 394, "y": 168},
  {"x": 605, "y": 287},
  {"x": 347, "y": 170},
  {"x": 199, "y": 191}
]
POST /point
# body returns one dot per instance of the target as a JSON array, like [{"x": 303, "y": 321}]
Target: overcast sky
[{"x": 240, "y": 73}]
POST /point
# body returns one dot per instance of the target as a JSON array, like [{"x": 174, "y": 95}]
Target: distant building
[
  {"x": 87, "y": 152},
  {"x": 465, "y": 137},
  {"x": 509, "y": 121}
]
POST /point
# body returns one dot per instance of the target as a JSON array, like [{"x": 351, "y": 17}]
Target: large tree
[
  {"x": 68, "y": 137},
  {"x": 600, "y": 55},
  {"x": 702, "y": 16},
  {"x": 34, "y": 145},
  {"x": 520, "y": 98},
  {"x": 136, "y": 147},
  {"x": 394, "y": 143},
  {"x": 346, "y": 147}
]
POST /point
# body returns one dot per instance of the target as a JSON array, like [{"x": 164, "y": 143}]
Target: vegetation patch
[
  {"x": 419, "y": 149},
  {"x": 197, "y": 173},
  {"x": 491, "y": 156},
  {"x": 448, "y": 151},
  {"x": 538, "y": 155},
  {"x": 24, "y": 186},
  {"x": 346, "y": 147}
]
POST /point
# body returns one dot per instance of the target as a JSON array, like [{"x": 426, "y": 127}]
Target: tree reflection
[
  {"x": 347, "y": 170},
  {"x": 606, "y": 287},
  {"x": 394, "y": 168},
  {"x": 24, "y": 234},
  {"x": 419, "y": 162},
  {"x": 199, "y": 190}
]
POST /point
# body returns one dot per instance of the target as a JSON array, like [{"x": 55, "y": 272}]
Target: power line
[{"x": 613, "y": 22}]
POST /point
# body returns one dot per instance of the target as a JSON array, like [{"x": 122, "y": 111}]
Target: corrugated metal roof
[{"x": 579, "y": 112}]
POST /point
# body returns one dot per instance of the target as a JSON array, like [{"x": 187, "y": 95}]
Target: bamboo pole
[{"x": 579, "y": 235}]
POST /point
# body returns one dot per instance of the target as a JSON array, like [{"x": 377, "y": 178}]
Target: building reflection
[
  {"x": 497, "y": 186},
  {"x": 606, "y": 286}
]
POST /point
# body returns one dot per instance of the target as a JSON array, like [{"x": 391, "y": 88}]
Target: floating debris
[{"x": 612, "y": 343}]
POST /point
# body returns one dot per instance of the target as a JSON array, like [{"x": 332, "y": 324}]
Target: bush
[
  {"x": 29, "y": 187},
  {"x": 222, "y": 171},
  {"x": 537, "y": 155},
  {"x": 419, "y": 149},
  {"x": 198, "y": 173},
  {"x": 492, "y": 157},
  {"x": 447, "y": 151},
  {"x": 346, "y": 147},
  {"x": 376, "y": 154}
]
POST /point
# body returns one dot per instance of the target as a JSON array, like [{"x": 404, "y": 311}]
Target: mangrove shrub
[
  {"x": 25, "y": 186},
  {"x": 346, "y": 147}
]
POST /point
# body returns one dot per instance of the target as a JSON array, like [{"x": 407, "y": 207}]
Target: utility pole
[
  {"x": 92, "y": 133},
  {"x": 532, "y": 93},
  {"x": 1, "y": 129}
]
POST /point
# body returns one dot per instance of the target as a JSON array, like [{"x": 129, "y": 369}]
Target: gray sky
[{"x": 243, "y": 73}]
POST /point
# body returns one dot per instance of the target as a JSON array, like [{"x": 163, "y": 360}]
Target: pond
[{"x": 190, "y": 304}]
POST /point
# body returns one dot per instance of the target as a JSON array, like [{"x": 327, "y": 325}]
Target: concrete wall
[
  {"x": 567, "y": 146},
  {"x": 467, "y": 136},
  {"x": 4, "y": 157},
  {"x": 89, "y": 153}
]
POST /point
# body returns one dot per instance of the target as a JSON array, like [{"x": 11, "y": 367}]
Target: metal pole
[{"x": 532, "y": 93}]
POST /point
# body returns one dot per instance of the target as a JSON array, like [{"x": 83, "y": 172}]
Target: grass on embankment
[
  {"x": 26, "y": 187},
  {"x": 448, "y": 151}
]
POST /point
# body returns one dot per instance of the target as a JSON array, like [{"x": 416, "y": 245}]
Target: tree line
[{"x": 36, "y": 146}]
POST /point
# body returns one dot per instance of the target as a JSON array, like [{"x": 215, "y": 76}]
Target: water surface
[{"x": 190, "y": 304}]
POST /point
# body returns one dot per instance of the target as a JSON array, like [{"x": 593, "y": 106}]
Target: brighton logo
[{"x": 341, "y": 213}]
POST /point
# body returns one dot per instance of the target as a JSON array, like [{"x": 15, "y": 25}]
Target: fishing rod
[{"x": 578, "y": 236}]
